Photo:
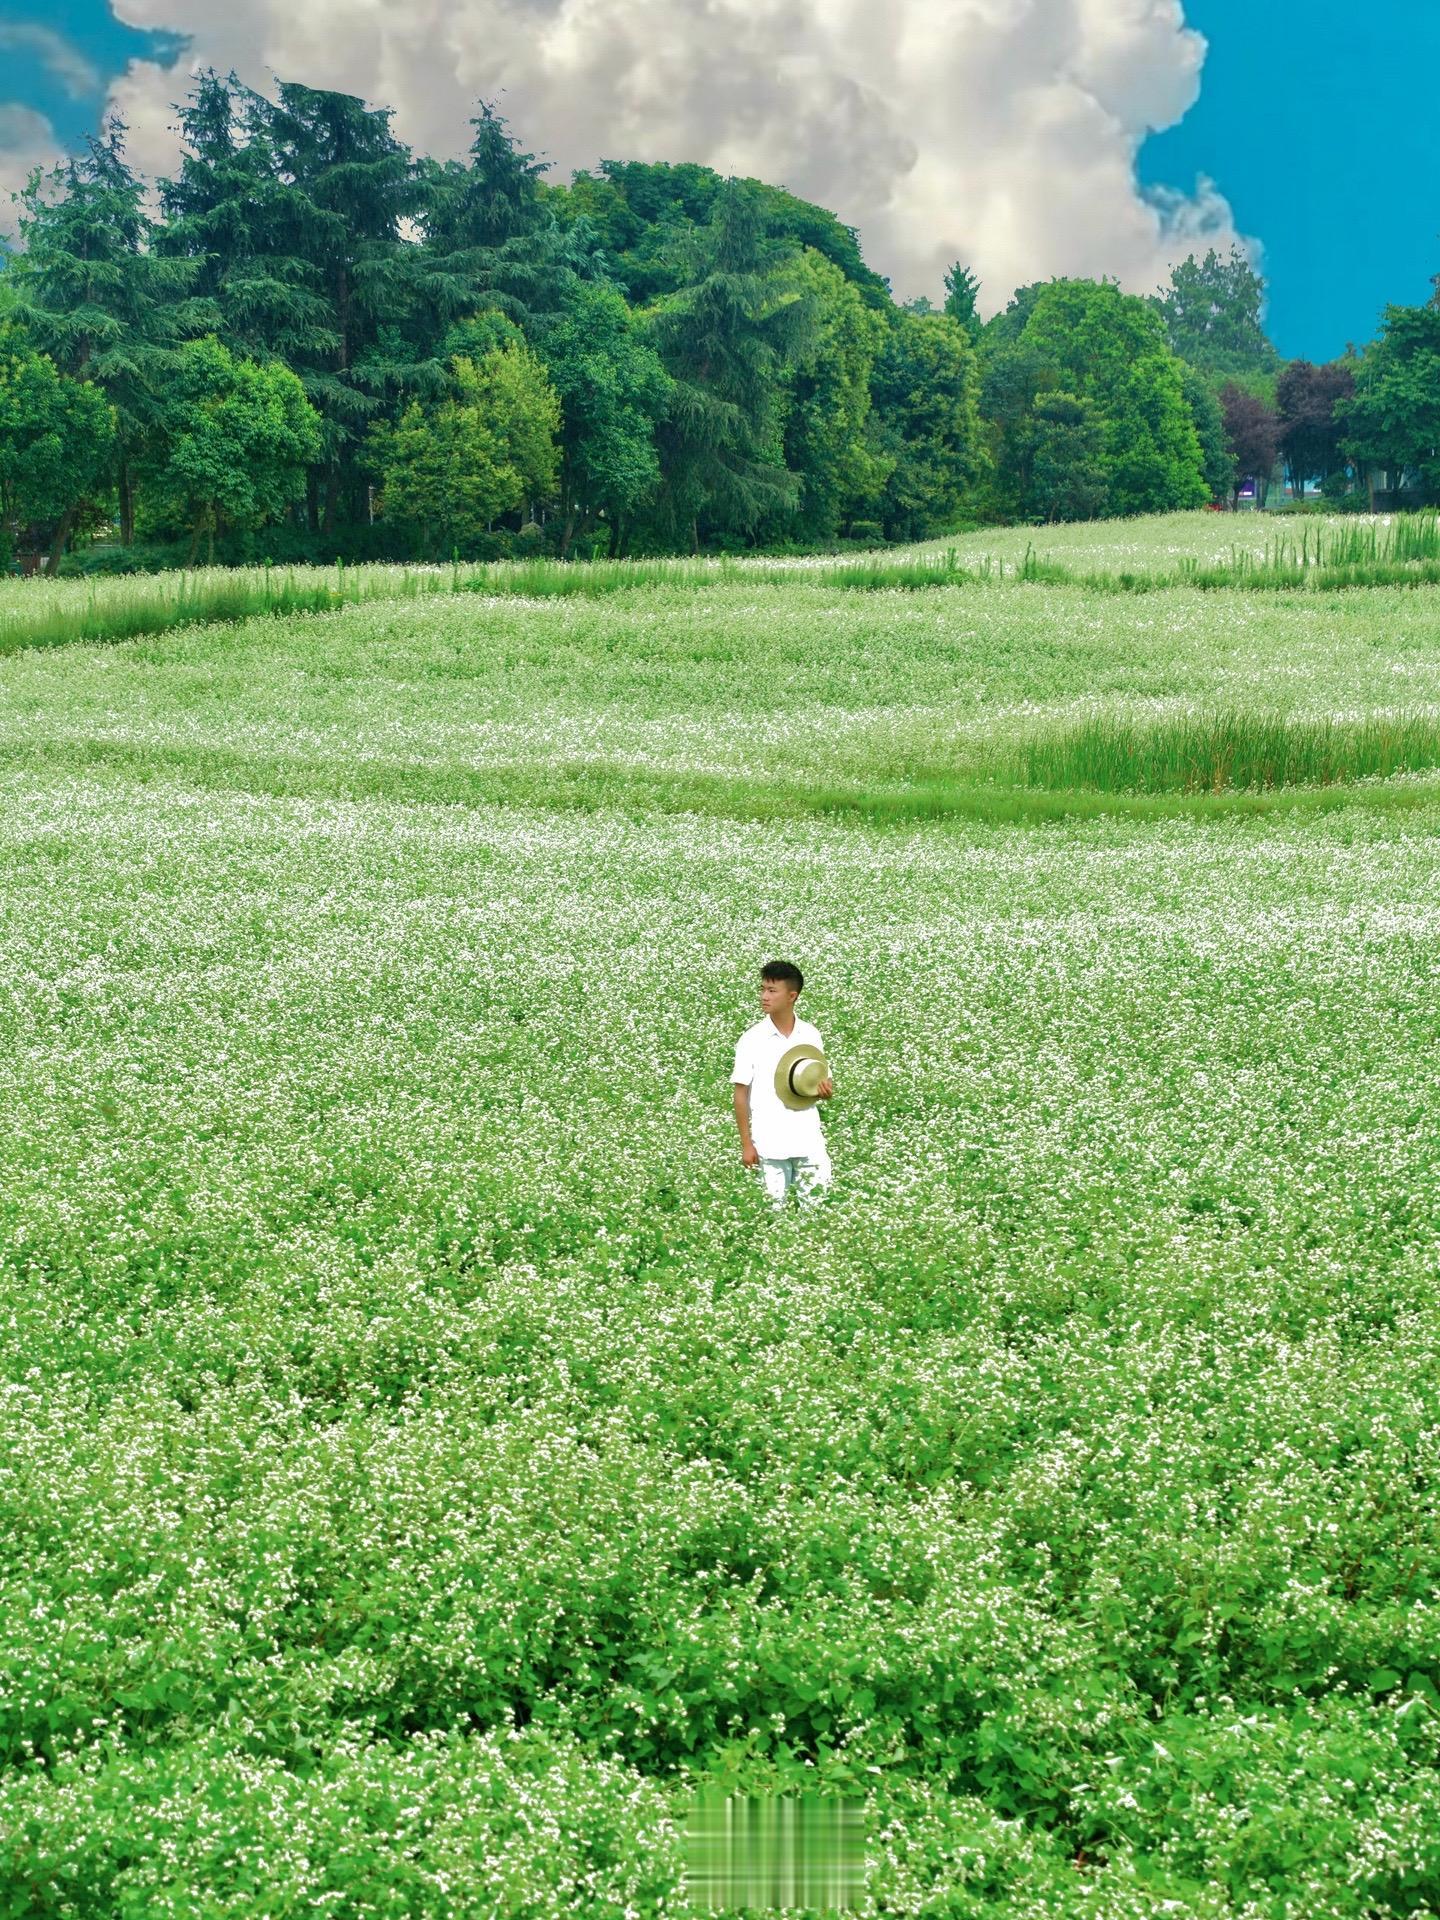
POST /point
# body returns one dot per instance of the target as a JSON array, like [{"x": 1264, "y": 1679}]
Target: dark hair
[{"x": 783, "y": 970}]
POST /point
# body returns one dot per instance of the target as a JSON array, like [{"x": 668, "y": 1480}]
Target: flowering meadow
[{"x": 426, "y": 1460}]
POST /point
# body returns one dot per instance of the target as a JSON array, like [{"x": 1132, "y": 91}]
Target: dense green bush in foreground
[{"x": 425, "y": 1460}]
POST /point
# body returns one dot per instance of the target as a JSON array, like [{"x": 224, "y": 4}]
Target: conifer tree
[
  {"x": 346, "y": 185},
  {"x": 229, "y": 209},
  {"x": 728, "y": 340},
  {"x": 101, "y": 301}
]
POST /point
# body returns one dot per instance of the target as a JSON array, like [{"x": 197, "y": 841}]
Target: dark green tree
[
  {"x": 56, "y": 442},
  {"x": 257, "y": 244},
  {"x": 1217, "y": 462},
  {"x": 962, "y": 291},
  {"x": 1109, "y": 348},
  {"x": 613, "y": 389},
  {"x": 829, "y": 442},
  {"x": 490, "y": 240},
  {"x": 1066, "y": 470},
  {"x": 1392, "y": 420},
  {"x": 100, "y": 300},
  {"x": 924, "y": 391},
  {"x": 1212, "y": 315},
  {"x": 1011, "y": 377},
  {"x": 729, "y": 340},
  {"x": 348, "y": 184}
]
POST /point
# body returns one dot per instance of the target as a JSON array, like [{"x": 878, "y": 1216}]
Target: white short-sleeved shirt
[{"x": 778, "y": 1131}]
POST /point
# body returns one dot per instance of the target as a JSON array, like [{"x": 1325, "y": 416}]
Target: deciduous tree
[
  {"x": 56, "y": 441},
  {"x": 612, "y": 391},
  {"x": 235, "y": 438},
  {"x": 1252, "y": 433},
  {"x": 1306, "y": 400},
  {"x": 1066, "y": 465},
  {"x": 451, "y": 469},
  {"x": 1392, "y": 419},
  {"x": 925, "y": 389}
]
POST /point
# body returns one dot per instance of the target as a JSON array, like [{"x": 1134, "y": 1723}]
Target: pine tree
[
  {"x": 490, "y": 242},
  {"x": 229, "y": 210},
  {"x": 346, "y": 184},
  {"x": 728, "y": 340},
  {"x": 101, "y": 301}
]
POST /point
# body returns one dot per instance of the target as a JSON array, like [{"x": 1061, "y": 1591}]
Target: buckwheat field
[{"x": 427, "y": 1461}]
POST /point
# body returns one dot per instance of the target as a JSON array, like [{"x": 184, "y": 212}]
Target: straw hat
[{"x": 798, "y": 1074}]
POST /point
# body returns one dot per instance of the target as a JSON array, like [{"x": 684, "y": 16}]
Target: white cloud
[
  {"x": 998, "y": 132},
  {"x": 27, "y": 140},
  {"x": 75, "y": 73}
]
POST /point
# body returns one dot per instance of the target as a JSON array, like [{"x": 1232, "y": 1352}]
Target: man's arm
[{"x": 742, "y": 1120}]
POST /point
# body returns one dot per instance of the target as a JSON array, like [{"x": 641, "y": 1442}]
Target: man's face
[{"x": 777, "y": 996}]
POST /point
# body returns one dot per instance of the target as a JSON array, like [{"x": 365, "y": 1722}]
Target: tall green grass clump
[
  {"x": 1406, "y": 552},
  {"x": 1218, "y": 751}
]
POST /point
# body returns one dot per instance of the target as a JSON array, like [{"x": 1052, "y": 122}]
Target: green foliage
[
  {"x": 728, "y": 339},
  {"x": 1211, "y": 310},
  {"x": 732, "y": 374},
  {"x": 1216, "y": 455},
  {"x": 612, "y": 390},
  {"x": 56, "y": 441},
  {"x": 232, "y": 441},
  {"x": 829, "y": 441},
  {"x": 100, "y": 300},
  {"x": 451, "y": 469},
  {"x": 962, "y": 291},
  {"x": 926, "y": 387},
  {"x": 1392, "y": 420},
  {"x": 1109, "y": 348},
  {"x": 254, "y": 247},
  {"x": 1066, "y": 460}
]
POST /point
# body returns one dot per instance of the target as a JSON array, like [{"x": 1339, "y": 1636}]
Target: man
[{"x": 779, "y": 1122}]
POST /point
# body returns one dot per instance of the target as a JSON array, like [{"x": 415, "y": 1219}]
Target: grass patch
[
  {"x": 1222, "y": 751},
  {"x": 605, "y": 786},
  {"x": 1404, "y": 553}
]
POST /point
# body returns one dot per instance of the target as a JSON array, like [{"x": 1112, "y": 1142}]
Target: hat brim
[{"x": 790, "y": 1059}]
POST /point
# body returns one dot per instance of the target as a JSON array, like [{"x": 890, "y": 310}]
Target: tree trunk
[
  {"x": 127, "y": 505},
  {"x": 194, "y": 542},
  {"x": 57, "y": 545},
  {"x": 567, "y": 534},
  {"x": 210, "y": 551},
  {"x": 332, "y": 488}
]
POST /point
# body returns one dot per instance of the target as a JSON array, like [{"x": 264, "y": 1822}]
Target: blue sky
[
  {"x": 1315, "y": 120},
  {"x": 71, "y": 96}
]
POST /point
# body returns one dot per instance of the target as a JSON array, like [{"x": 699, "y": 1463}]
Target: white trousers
[{"x": 806, "y": 1173}]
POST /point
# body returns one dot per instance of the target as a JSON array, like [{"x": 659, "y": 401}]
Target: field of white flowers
[{"x": 424, "y": 1457}]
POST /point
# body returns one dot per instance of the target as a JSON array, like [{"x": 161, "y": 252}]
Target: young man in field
[{"x": 780, "y": 1075}]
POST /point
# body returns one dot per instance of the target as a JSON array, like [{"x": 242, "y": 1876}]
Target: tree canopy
[{"x": 398, "y": 353}]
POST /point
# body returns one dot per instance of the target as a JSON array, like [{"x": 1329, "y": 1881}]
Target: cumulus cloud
[
  {"x": 998, "y": 132},
  {"x": 77, "y": 75},
  {"x": 27, "y": 140}
]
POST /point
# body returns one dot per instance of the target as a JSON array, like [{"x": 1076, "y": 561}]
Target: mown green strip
[{"x": 598, "y": 786}]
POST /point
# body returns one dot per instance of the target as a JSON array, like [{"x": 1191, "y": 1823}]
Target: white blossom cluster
[{"x": 424, "y": 1454}]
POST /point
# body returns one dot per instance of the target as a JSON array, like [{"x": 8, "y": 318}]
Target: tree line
[{"x": 313, "y": 343}]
